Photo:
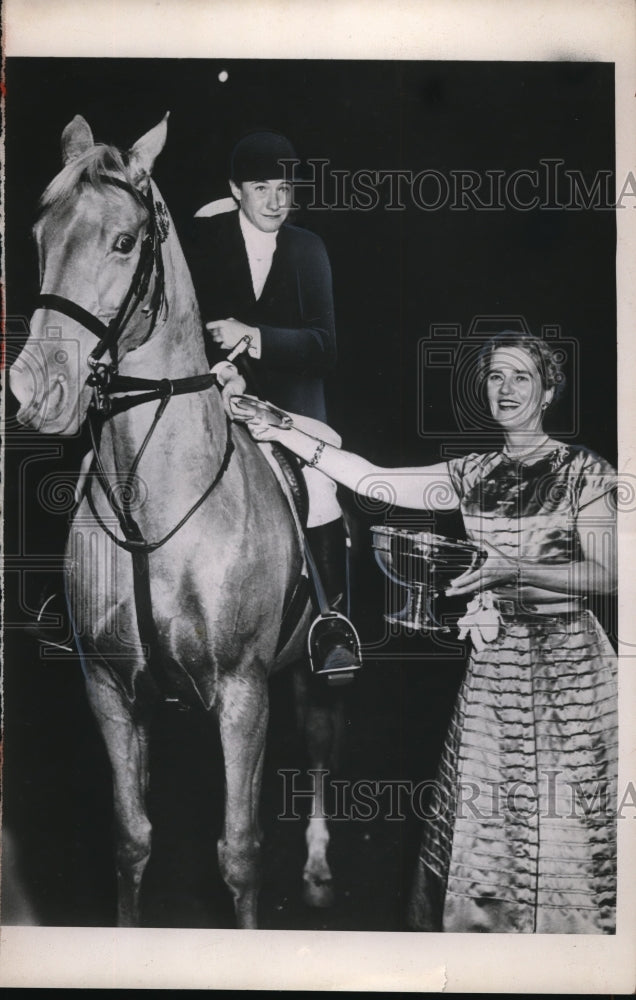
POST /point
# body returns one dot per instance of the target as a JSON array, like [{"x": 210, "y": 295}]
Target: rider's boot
[{"x": 333, "y": 641}]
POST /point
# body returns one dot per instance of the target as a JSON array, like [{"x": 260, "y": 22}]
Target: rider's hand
[{"x": 227, "y": 332}]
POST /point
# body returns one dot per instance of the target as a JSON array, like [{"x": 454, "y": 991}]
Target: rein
[
  {"x": 105, "y": 381},
  {"x": 134, "y": 540}
]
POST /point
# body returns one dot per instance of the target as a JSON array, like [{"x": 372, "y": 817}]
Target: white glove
[
  {"x": 481, "y": 620},
  {"x": 231, "y": 381}
]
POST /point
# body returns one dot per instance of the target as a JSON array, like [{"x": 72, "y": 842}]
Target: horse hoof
[{"x": 317, "y": 893}]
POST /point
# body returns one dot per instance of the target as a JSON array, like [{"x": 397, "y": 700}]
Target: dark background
[{"x": 395, "y": 274}]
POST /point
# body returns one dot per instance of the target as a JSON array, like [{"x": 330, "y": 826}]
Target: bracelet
[{"x": 320, "y": 447}]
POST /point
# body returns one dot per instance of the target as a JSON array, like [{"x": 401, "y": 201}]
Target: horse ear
[
  {"x": 76, "y": 139},
  {"x": 142, "y": 156}
]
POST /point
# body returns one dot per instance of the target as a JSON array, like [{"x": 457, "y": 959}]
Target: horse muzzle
[{"x": 40, "y": 379}]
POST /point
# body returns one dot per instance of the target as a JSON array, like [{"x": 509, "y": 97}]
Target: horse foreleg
[
  {"x": 126, "y": 739},
  {"x": 243, "y": 714},
  {"x": 257, "y": 783},
  {"x": 321, "y": 717}
]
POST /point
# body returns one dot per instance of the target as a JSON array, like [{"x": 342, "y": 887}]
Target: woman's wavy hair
[{"x": 541, "y": 353}]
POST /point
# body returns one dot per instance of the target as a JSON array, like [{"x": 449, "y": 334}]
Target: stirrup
[{"x": 334, "y": 648}]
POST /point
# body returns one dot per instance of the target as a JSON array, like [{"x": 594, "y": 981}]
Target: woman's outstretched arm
[{"x": 427, "y": 487}]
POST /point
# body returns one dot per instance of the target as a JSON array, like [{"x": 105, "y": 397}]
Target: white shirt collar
[
  {"x": 260, "y": 249},
  {"x": 258, "y": 243}
]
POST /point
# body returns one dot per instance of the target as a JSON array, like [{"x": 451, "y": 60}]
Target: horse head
[{"x": 97, "y": 244}]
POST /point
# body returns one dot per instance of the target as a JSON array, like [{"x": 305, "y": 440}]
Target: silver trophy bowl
[{"x": 423, "y": 564}]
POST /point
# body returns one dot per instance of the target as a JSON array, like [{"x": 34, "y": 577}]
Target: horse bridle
[
  {"x": 150, "y": 259},
  {"x": 105, "y": 379}
]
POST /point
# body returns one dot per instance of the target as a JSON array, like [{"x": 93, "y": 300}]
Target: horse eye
[{"x": 124, "y": 243}]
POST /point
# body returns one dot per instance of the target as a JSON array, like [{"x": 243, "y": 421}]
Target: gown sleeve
[
  {"x": 460, "y": 470},
  {"x": 597, "y": 478}
]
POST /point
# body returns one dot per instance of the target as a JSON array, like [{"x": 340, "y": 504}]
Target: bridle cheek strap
[{"x": 149, "y": 257}]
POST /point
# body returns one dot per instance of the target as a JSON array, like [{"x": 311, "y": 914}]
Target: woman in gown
[{"x": 521, "y": 835}]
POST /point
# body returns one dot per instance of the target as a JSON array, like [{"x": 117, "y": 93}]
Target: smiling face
[
  {"x": 515, "y": 390},
  {"x": 265, "y": 203}
]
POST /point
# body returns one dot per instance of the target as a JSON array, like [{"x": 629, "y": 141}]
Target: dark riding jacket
[{"x": 295, "y": 312}]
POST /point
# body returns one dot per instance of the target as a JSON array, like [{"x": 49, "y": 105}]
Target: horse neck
[{"x": 176, "y": 347}]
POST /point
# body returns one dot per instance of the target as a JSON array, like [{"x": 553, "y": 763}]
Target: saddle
[
  {"x": 246, "y": 407},
  {"x": 289, "y": 467},
  {"x": 333, "y": 643},
  {"x": 330, "y": 627}
]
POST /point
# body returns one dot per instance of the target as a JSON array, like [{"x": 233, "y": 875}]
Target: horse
[{"x": 184, "y": 561}]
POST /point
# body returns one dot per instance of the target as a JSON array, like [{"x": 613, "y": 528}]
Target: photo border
[{"x": 494, "y": 30}]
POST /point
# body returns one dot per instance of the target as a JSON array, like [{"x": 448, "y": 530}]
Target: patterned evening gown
[{"x": 522, "y": 832}]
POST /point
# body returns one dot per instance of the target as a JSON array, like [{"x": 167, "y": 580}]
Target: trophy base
[
  {"x": 415, "y": 626},
  {"x": 417, "y": 615}
]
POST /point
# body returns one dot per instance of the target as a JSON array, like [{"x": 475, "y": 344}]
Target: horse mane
[{"x": 88, "y": 168}]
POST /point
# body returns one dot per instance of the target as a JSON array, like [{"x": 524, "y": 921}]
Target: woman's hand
[
  {"x": 262, "y": 430},
  {"x": 496, "y": 571}
]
